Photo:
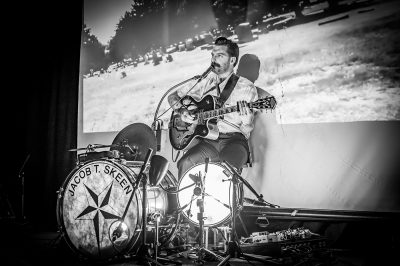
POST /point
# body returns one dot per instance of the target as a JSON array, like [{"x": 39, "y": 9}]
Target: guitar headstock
[{"x": 264, "y": 103}]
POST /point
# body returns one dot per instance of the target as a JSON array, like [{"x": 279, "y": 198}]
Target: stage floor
[{"x": 23, "y": 244}]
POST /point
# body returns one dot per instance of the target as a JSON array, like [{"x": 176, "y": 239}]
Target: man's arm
[
  {"x": 174, "y": 101},
  {"x": 247, "y": 115}
]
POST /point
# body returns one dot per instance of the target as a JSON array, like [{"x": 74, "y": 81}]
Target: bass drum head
[
  {"x": 218, "y": 194},
  {"x": 91, "y": 207}
]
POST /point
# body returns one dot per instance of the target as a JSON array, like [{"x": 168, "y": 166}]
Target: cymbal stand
[{"x": 234, "y": 250}]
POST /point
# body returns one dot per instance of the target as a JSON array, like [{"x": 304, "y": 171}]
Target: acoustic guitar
[{"x": 205, "y": 113}]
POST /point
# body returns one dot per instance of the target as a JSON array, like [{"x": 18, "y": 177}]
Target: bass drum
[
  {"x": 217, "y": 196},
  {"x": 99, "y": 211}
]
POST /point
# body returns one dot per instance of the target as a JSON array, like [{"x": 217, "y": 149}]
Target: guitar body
[{"x": 182, "y": 134}]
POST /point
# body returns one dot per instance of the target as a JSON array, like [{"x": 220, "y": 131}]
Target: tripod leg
[
  {"x": 225, "y": 260},
  {"x": 253, "y": 257},
  {"x": 218, "y": 257},
  {"x": 243, "y": 225},
  {"x": 164, "y": 260},
  {"x": 148, "y": 260}
]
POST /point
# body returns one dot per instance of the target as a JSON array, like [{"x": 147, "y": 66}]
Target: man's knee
[
  {"x": 184, "y": 164},
  {"x": 237, "y": 158}
]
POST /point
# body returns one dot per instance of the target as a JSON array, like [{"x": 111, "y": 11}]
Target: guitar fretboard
[{"x": 218, "y": 112}]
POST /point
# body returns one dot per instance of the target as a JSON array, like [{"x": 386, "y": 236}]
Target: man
[{"x": 234, "y": 128}]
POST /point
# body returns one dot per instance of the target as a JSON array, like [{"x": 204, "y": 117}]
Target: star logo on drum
[{"x": 99, "y": 208}]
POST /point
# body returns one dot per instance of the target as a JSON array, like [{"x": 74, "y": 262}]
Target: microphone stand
[
  {"x": 21, "y": 175},
  {"x": 198, "y": 77},
  {"x": 200, "y": 217},
  {"x": 156, "y": 127},
  {"x": 234, "y": 250},
  {"x": 260, "y": 200}
]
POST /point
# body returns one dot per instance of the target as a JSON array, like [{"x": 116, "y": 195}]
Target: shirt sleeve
[{"x": 252, "y": 95}]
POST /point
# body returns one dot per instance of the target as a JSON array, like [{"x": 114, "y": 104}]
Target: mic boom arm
[{"x": 198, "y": 77}]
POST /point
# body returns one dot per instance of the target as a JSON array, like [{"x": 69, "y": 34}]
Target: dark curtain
[{"x": 42, "y": 107}]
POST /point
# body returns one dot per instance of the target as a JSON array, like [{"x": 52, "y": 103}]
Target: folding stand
[{"x": 234, "y": 250}]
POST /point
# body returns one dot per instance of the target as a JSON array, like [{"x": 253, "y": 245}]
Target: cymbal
[
  {"x": 139, "y": 137},
  {"x": 94, "y": 146}
]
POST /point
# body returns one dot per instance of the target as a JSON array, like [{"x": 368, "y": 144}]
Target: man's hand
[
  {"x": 245, "y": 113},
  {"x": 186, "y": 116}
]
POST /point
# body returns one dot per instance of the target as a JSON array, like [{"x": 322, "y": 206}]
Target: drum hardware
[
  {"x": 158, "y": 172},
  {"x": 136, "y": 139},
  {"x": 155, "y": 218},
  {"x": 158, "y": 169},
  {"x": 93, "y": 147},
  {"x": 200, "y": 217},
  {"x": 199, "y": 181},
  {"x": 217, "y": 195},
  {"x": 91, "y": 152},
  {"x": 234, "y": 250},
  {"x": 122, "y": 230}
]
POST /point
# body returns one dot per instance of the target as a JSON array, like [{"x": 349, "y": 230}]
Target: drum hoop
[
  {"x": 240, "y": 192},
  {"x": 60, "y": 219}
]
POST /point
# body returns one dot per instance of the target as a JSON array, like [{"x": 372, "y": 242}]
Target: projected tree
[
  {"x": 93, "y": 50},
  {"x": 146, "y": 25},
  {"x": 137, "y": 29}
]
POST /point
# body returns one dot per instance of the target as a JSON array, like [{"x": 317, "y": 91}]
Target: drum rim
[
  {"x": 228, "y": 217},
  {"x": 60, "y": 219}
]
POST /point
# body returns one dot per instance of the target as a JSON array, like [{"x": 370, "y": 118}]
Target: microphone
[
  {"x": 211, "y": 67},
  {"x": 159, "y": 126},
  {"x": 207, "y": 160}
]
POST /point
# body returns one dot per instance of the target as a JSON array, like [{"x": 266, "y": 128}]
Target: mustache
[{"x": 214, "y": 64}]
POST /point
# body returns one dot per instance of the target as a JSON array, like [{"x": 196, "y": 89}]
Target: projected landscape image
[{"x": 321, "y": 66}]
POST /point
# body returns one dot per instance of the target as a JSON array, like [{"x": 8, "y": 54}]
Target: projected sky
[
  {"x": 102, "y": 16},
  {"x": 322, "y": 68}
]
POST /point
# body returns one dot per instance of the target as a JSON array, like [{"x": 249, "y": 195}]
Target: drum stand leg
[
  {"x": 143, "y": 254},
  {"x": 201, "y": 249},
  {"x": 234, "y": 250}
]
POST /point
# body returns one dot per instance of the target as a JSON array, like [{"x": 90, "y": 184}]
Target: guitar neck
[
  {"x": 265, "y": 103},
  {"x": 218, "y": 112}
]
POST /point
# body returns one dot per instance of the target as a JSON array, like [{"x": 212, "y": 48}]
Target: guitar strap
[{"x": 228, "y": 89}]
